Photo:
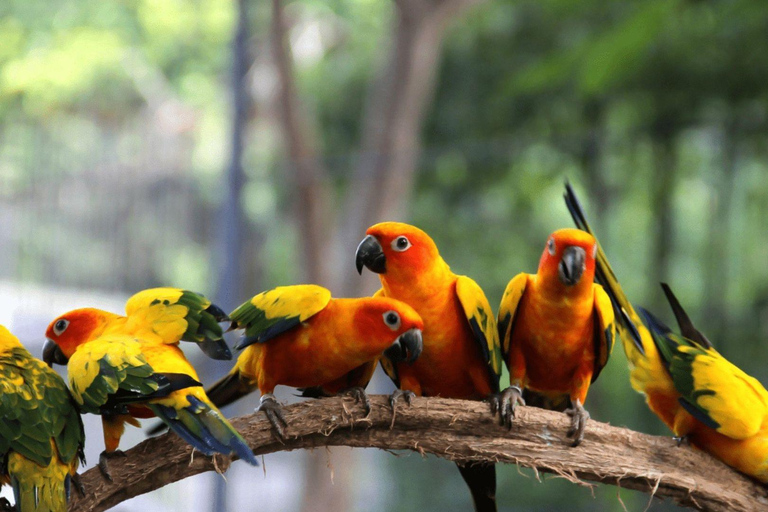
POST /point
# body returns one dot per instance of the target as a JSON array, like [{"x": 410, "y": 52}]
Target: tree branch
[{"x": 457, "y": 430}]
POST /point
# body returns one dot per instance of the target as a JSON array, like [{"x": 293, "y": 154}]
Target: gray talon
[
  {"x": 505, "y": 404},
  {"x": 361, "y": 397},
  {"x": 104, "y": 462},
  {"x": 579, "y": 417},
  {"x": 406, "y": 395},
  {"x": 274, "y": 413}
]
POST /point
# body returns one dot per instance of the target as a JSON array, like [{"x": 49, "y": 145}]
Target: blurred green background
[{"x": 230, "y": 147}]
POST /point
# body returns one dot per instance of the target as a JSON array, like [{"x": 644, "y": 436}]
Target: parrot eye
[
  {"x": 401, "y": 244},
  {"x": 551, "y": 246},
  {"x": 392, "y": 320},
  {"x": 60, "y": 326}
]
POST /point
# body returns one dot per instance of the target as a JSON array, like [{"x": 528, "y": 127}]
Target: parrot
[
  {"x": 302, "y": 337},
  {"x": 128, "y": 367},
  {"x": 557, "y": 330},
  {"x": 701, "y": 396},
  {"x": 462, "y": 357},
  {"x": 41, "y": 433}
]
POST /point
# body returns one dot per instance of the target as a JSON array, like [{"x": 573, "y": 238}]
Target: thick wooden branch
[{"x": 457, "y": 430}]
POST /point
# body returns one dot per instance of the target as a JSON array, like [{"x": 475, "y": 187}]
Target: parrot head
[
  {"x": 71, "y": 330},
  {"x": 394, "y": 247},
  {"x": 569, "y": 255},
  {"x": 396, "y": 324}
]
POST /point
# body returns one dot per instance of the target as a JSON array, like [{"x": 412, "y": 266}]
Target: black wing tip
[
  {"x": 684, "y": 322},
  {"x": 218, "y": 314},
  {"x": 216, "y": 349}
]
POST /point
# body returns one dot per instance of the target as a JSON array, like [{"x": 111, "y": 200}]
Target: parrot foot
[
  {"x": 681, "y": 440},
  {"x": 274, "y": 412},
  {"x": 579, "y": 417},
  {"x": 399, "y": 393},
  {"x": 505, "y": 404},
  {"x": 361, "y": 397},
  {"x": 5, "y": 505},
  {"x": 103, "y": 462},
  {"x": 78, "y": 483}
]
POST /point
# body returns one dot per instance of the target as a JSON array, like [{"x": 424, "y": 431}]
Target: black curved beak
[
  {"x": 571, "y": 265},
  {"x": 370, "y": 254},
  {"x": 52, "y": 354},
  {"x": 407, "y": 347}
]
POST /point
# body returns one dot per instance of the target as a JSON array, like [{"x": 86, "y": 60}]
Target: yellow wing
[
  {"x": 736, "y": 402},
  {"x": 605, "y": 330},
  {"x": 483, "y": 324},
  {"x": 273, "y": 312},
  {"x": 177, "y": 315},
  {"x": 507, "y": 309}
]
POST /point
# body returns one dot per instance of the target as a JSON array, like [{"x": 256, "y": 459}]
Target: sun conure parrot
[
  {"x": 41, "y": 434},
  {"x": 302, "y": 337},
  {"x": 127, "y": 367},
  {"x": 557, "y": 330},
  {"x": 693, "y": 389},
  {"x": 462, "y": 357}
]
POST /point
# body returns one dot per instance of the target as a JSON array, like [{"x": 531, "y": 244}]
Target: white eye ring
[
  {"x": 392, "y": 319},
  {"x": 60, "y": 326},
  {"x": 594, "y": 251},
  {"x": 400, "y": 244},
  {"x": 551, "y": 246}
]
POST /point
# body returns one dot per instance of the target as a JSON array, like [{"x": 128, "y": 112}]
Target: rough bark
[{"x": 457, "y": 430}]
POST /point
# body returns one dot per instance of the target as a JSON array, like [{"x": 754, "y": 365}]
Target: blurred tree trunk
[
  {"x": 381, "y": 184},
  {"x": 662, "y": 193},
  {"x": 233, "y": 226},
  {"x": 590, "y": 156},
  {"x": 719, "y": 240}
]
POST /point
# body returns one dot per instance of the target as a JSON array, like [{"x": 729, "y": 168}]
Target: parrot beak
[
  {"x": 407, "y": 347},
  {"x": 370, "y": 254},
  {"x": 572, "y": 265},
  {"x": 52, "y": 354}
]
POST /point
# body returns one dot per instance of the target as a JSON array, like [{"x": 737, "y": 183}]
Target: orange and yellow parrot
[
  {"x": 127, "y": 367},
  {"x": 694, "y": 390},
  {"x": 41, "y": 434},
  {"x": 557, "y": 330},
  {"x": 462, "y": 357},
  {"x": 302, "y": 337}
]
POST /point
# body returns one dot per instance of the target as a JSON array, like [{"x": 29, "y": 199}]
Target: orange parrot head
[
  {"x": 71, "y": 330},
  {"x": 392, "y": 324},
  {"x": 569, "y": 258},
  {"x": 396, "y": 249}
]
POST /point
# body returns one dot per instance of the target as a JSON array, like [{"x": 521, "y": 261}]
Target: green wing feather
[
  {"x": 179, "y": 315},
  {"x": 36, "y": 406},
  {"x": 276, "y": 311}
]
